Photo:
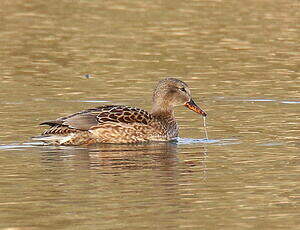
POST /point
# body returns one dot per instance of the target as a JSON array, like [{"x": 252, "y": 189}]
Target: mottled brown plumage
[{"x": 124, "y": 124}]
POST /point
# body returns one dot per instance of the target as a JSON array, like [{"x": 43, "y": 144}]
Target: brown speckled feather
[{"x": 97, "y": 117}]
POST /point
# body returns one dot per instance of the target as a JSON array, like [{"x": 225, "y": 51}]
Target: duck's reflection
[
  {"x": 121, "y": 177},
  {"x": 115, "y": 159},
  {"x": 116, "y": 156}
]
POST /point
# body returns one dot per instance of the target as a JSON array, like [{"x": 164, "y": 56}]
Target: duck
[{"x": 121, "y": 124}]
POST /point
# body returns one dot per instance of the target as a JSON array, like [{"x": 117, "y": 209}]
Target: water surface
[{"x": 241, "y": 60}]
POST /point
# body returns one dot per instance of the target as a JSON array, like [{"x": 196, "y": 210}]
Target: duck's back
[{"x": 105, "y": 124}]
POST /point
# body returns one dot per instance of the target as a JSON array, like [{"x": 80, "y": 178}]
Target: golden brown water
[{"x": 241, "y": 59}]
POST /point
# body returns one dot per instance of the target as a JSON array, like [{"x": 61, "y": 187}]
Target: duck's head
[{"x": 171, "y": 92}]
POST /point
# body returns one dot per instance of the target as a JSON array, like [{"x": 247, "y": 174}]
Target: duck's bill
[{"x": 192, "y": 106}]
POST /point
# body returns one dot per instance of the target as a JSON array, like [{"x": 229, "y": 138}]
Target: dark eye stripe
[{"x": 182, "y": 89}]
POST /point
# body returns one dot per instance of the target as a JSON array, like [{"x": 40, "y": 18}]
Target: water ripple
[{"x": 187, "y": 141}]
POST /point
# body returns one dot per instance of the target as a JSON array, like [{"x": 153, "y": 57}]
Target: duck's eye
[{"x": 183, "y": 89}]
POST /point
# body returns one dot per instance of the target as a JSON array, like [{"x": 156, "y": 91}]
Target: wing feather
[{"x": 87, "y": 119}]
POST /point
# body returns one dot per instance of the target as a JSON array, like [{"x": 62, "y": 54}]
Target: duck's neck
[
  {"x": 162, "y": 111},
  {"x": 165, "y": 116}
]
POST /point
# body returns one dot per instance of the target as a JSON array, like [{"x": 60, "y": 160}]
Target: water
[{"x": 241, "y": 61}]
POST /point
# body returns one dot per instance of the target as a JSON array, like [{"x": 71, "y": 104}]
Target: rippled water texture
[{"x": 241, "y": 60}]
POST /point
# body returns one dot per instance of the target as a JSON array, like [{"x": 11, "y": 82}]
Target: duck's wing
[{"x": 96, "y": 117}]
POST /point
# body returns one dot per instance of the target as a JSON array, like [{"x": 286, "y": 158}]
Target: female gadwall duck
[{"x": 124, "y": 124}]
